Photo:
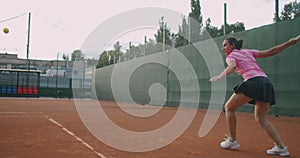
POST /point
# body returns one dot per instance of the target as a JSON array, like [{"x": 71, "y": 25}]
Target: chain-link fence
[{"x": 60, "y": 87}]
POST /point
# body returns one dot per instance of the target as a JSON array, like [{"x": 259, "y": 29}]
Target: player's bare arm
[
  {"x": 279, "y": 48},
  {"x": 230, "y": 69}
]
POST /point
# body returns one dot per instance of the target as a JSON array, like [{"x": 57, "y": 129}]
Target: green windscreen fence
[{"x": 180, "y": 76}]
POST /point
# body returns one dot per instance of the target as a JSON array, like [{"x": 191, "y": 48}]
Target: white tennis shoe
[
  {"x": 227, "y": 144},
  {"x": 278, "y": 151}
]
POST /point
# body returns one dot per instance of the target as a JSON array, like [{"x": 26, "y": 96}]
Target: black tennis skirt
[{"x": 258, "y": 88}]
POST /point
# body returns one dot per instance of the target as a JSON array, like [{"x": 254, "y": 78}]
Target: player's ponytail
[
  {"x": 233, "y": 41},
  {"x": 239, "y": 44}
]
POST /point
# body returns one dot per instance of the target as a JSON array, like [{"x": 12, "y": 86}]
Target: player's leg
[
  {"x": 261, "y": 113},
  {"x": 234, "y": 102}
]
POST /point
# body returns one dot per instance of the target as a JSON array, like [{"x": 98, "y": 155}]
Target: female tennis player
[{"x": 256, "y": 89}]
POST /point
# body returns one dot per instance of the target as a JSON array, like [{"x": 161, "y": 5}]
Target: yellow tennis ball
[{"x": 5, "y": 30}]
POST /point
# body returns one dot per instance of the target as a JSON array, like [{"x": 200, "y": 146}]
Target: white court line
[
  {"x": 77, "y": 138},
  {"x": 21, "y": 114}
]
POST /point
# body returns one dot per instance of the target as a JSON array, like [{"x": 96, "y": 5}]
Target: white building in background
[
  {"x": 53, "y": 73},
  {"x": 11, "y": 61},
  {"x": 78, "y": 71}
]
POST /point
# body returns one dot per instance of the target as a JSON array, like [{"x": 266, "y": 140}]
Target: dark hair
[{"x": 238, "y": 43}]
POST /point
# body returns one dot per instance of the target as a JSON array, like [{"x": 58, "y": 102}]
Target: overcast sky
[{"x": 61, "y": 26}]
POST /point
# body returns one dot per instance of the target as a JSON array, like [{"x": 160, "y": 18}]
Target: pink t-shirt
[{"x": 246, "y": 63}]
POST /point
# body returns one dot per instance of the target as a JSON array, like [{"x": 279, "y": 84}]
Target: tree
[
  {"x": 66, "y": 59},
  {"x": 110, "y": 57},
  {"x": 153, "y": 47},
  {"x": 103, "y": 59},
  {"x": 195, "y": 21},
  {"x": 118, "y": 53},
  {"x": 77, "y": 55},
  {"x": 211, "y": 30},
  {"x": 290, "y": 11},
  {"x": 183, "y": 33},
  {"x": 232, "y": 28},
  {"x": 237, "y": 27},
  {"x": 91, "y": 62},
  {"x": 163, "y": 35}
]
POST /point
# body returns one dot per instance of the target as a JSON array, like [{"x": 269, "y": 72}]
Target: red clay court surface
[{"x": 47, "y": 128}]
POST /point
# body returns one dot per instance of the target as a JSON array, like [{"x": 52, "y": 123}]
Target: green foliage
[
  {"x": 195, "y": 21},
  {"x": 77, "y": 55},
  {"x": 163, "y": 35},
  {"x": 290, "y": 11},
  {"x": 233, "y": 28},
  {"x": 212, "y": 30},
  {"x": 91, "y": 62},
  {"x": 110, "y": 57},
  {"x": 103, "y": 59},
  {"x": 191, "y": 28},
  {"x": 183, "y": 33}
]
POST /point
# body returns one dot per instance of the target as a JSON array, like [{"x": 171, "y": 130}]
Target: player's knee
[
  {"x": 257, "y": 119},
  {"x": 261, "y": 121},
  {"x": 229, "y": 107}
]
